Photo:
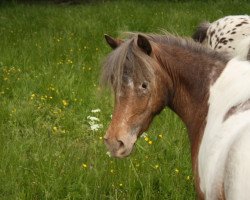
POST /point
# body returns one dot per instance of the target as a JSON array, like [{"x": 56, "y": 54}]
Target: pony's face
[{"x": 136, "y": 103}]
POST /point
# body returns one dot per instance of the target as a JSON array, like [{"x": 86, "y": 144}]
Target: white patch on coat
[{"x": 224, "y": 151}]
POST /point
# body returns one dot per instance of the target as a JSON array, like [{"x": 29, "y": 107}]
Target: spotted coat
[{"x": 230, "y": 34}]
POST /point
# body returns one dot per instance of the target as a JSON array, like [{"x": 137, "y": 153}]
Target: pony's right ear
[{"x": 113, "y": 43}]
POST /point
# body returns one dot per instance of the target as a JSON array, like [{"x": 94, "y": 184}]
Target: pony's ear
[
  {"x": 113, "y": 43},
  {"x": 144, "y": 44}
]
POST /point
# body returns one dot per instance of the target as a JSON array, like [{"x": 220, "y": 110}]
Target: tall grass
[{"x": 50, "y": 59}]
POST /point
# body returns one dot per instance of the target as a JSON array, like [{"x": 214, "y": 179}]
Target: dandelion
[
  {"x": 150, "y": 142},
  {"x": 84, "y": 166},
  {"x": 65, "y": 103},
  {"x": 55, "y": 129},
  {"x": 69, "y": 61},
  {"x": 146, "y": 139},
  {"x": 32, "y": 96},
  {"x": 156, "y": 166}
]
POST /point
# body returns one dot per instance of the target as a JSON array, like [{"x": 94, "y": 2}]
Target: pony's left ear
[
  {"x": 113, "y": 43},
  {"x": 144, "y": 44}
]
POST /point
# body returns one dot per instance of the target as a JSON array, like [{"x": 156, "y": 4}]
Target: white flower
[
  {"x": 91, "y": 118},
  {"x": 96, "y": 110},
  {"x": 144, "y": 135},
  {"x": 95, "y": 127},
  {"x": 108, "y": 153}
]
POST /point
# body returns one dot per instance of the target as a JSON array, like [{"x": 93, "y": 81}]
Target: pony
[
  {"x": 229, "y": 34},
  {"x": 208, "y": 91}
]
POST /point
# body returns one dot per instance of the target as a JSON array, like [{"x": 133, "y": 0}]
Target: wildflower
[
  {"x": 150, "y": 142},
  {"x": 144, "y": 135},
  {"x": 91, "y": 118},
  {"x": 65, "y": 103},
  {"x": 146, "y": 139},
  {"x": 112, "y": 171},
  {"x": 96, "y": 110},
  {"x": 100, "y": 138},
  {"x": 84, "y": 166},
  {"x": 108, "y": 153},
  {"x": 95, "y": 127},
  {"x": 188, "y": 178},
  {"x": 176, "y": 171},
  {"x": 156, "y": 166},
  {"x": 69, "y": 61},
  {"x": 55, "y": 129},
  {"x": 160, "y": 135},
  {"x": 32, "y": 96},
  {"x": 120, "y": 185}
]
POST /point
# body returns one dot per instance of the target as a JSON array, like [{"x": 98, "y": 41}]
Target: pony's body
[
  {"x": 230, "y": 34},
  {"x": 209, "y": 93},
  {"x": 224, "y": 155}
]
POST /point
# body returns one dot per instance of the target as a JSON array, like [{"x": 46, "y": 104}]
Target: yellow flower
[
  {"x": 188, "y": 178},
  {"x": 120, "y": 184},
  {"x": 65, "y": 103},
  {"x": 156, "y": 166},
  {"x": 84, "y": 166},
  {"x": 160, "y": 135},
  {"x": 150, "y": 142},
  {"x": 112, "y": 171},
  {"x": 32, "y": 96},
  {"x": 146, "y": 139},
  {"x": 55, "y": 128},
  {"x": 176, "y": 171}
]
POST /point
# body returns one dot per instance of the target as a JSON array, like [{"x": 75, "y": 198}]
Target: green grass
[{"x": 50, "y": 59}]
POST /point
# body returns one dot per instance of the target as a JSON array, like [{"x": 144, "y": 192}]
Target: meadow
[{"x": 54, "y": 113}]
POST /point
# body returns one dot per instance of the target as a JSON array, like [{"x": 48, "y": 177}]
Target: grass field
[{"x": 50, "y": 59}]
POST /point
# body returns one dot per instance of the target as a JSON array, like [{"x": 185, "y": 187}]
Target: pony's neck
[{"x": 192, "y": 74}]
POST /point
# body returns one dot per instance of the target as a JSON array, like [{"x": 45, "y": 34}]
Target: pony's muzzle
[{"x": 119, "y": 147}]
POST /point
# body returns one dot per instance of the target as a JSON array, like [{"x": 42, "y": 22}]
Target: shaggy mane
[{"x": 115, "y": 70}]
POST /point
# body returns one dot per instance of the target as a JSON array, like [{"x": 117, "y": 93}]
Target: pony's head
[{"x": 131, "y": 71}]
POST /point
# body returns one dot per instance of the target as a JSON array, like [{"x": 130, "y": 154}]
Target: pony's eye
[{"x": 144, "y": 85}]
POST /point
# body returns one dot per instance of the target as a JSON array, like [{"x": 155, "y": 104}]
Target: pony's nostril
[{"x": 120, "y": 144}]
